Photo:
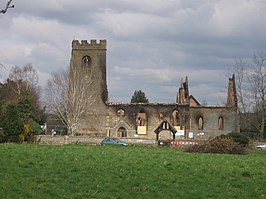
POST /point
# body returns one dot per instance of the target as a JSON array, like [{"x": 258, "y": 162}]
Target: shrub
[
  {"x": 34, "y": 129},
  {"x": 2, "y": 136},
  {"x": 218, "y": 145},
  {"x": 238, "y": 138}
]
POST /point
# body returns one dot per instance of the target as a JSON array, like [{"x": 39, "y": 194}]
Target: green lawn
[{"x": 75, "y": 171}]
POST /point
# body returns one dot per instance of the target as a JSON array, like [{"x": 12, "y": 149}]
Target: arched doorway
[{"x": 121, "y": 132}]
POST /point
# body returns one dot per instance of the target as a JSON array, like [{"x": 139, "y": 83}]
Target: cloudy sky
[{"x": 152, "y": 44}]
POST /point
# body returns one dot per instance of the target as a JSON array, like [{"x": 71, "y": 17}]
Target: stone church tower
[{"x": 92, "y": 56}]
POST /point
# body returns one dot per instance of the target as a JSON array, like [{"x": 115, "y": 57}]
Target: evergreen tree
[
  {"x": 139, "y": 97},
  {"x": 11, "y": 123},
  {"x": 20, "y": 112}
]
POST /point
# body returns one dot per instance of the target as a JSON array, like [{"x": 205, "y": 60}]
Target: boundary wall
[{"x": 62, "y": 140}]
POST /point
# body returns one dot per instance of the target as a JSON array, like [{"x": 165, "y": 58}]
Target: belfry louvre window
[
  {"x": 200, "y": 123},
  {"x": 86, "y": 63}
]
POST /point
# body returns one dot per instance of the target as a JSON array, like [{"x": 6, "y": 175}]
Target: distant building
[
  {"x": 54, "y": 125},
  {"x": 185, "y": 118}
]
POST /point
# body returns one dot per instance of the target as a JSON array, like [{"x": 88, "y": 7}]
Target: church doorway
[{"x": 121, "y": 132}]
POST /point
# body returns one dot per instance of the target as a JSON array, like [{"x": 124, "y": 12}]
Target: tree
[
  {"x": 14, "y": 118},
  {"x": 251, "y": 91},
  {"x": 28, "y": 108},
  {"x": 23, "y": 79},
  {"x": 139, "y": 97},
  {"x": 7, "y": 7},
  {"x": 23, "y": 86},
  {"x": 11, "y": 123},
  {"x": 20, "y": 105},
  {"x": 69, "y": 96},
  {"x": 2, "y": 67},
  {"x": 5, "y": 92}
]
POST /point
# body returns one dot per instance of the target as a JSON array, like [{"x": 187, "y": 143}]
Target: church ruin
[{"x": 185, "y": 118}]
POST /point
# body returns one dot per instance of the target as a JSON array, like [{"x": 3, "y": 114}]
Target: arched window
[
  {"x": 142, "y": 118},
  {"x": 121, "y": 132},
  {"x": 175, "y": 118},
  {"x": 142, "y": 122},
  {"x": 200, "y": 123},
  {"x": 221, "y": 123}
]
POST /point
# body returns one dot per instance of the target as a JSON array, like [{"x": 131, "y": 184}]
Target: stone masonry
[{"x": 126, "y": 120}]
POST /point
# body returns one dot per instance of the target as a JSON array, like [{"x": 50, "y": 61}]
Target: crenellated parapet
[{"x": 85, "y": 44}]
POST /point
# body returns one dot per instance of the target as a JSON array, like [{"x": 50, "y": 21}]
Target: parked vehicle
[
  {"x": 261, "y": 147},
  {"x": 113, "y": 141}
]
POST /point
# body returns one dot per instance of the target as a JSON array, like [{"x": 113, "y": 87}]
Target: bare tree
[
  {"x": 7, "y": 7},
  {"x": 251, "y": 91},
  {"x": 1, "y": 66},
  {"x": 70, "y": 97},
  {"x": 23, "y": 78}
]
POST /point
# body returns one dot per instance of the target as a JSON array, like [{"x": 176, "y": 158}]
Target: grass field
[{"x": 75, "y": 171}]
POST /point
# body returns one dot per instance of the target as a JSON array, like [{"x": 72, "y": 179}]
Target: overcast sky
[{"x": 151, "y": 44}]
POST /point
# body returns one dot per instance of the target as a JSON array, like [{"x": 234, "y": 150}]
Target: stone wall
[
  {"x": 155, "y": 112},
  {"x": 62, "y": 140},
  {"x": 210, "y": 117}
]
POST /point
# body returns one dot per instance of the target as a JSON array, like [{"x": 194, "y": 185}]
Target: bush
[
  {"x": 218, "y": 145},
  {"x": 238, "y": 138},
  {"x": 34, "y": 129},
  {"x": 11, "y": 124},
  {"x": 2, "y": 136}
]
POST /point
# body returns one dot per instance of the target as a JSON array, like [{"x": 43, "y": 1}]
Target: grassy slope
[{"x": 31, "y": 171}]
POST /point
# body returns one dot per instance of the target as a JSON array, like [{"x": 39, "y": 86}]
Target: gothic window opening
[
  {"x": 121, "y": 132},
  {"x": 200, "y": 123},
  {"x": 142, "y": 118},
  {"x": 141, "y": 122},
  {"x": 175, "y": 118},
  {"x": 221, "y": 123}
]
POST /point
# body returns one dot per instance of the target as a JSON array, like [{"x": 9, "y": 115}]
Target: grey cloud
[{"x": 151, "y": 44}]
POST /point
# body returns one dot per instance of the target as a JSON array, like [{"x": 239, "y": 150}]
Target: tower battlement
[{"x": 92, "y": 44}]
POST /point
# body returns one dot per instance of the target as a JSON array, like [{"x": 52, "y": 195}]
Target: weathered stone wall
[
  {"x": 155, "y": 112},
  {"x": 62, "y": 140},
  {"x": 210, "y": 117}
]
